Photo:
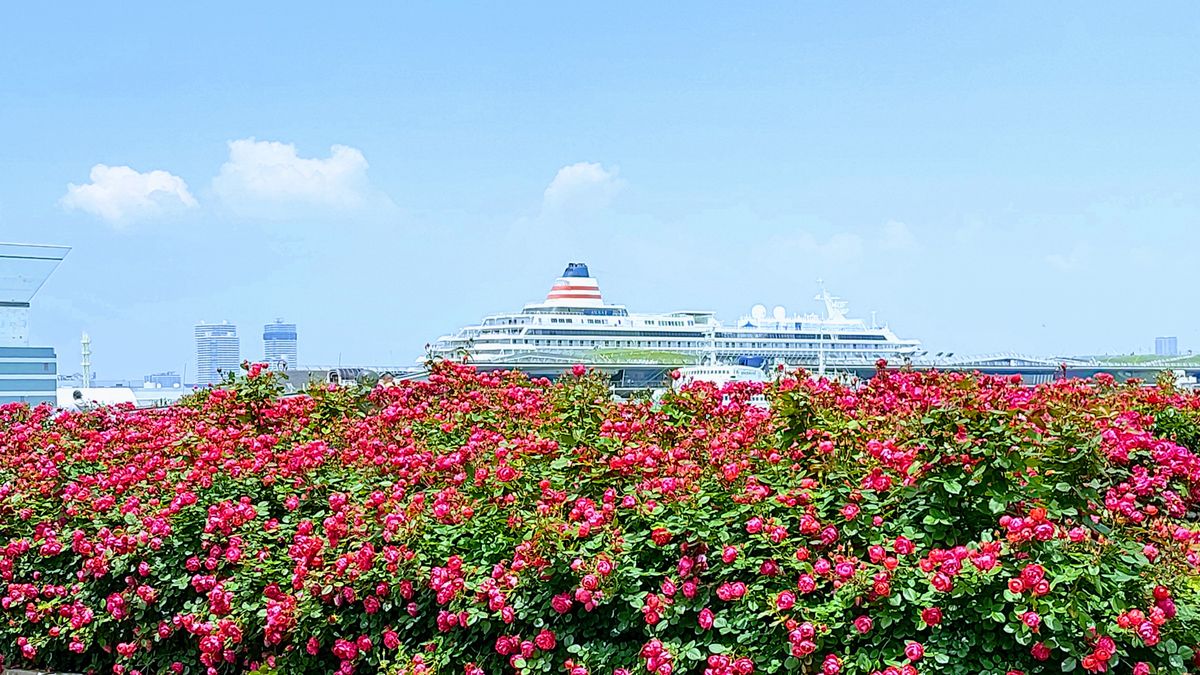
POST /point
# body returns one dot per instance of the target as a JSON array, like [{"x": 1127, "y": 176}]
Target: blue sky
[{"x": 1016, "y": 176}]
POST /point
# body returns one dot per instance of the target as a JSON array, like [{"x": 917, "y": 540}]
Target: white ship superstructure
[{"x": 574, "y": 323}]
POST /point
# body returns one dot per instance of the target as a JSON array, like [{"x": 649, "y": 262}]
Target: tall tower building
[
  {"x": 279, "y": 344},
  {"x": 218, "y": 351},
  {"x": 28, "y": 374}
]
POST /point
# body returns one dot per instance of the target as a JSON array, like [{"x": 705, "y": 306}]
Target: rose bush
[{"x": 485, "y": 523}]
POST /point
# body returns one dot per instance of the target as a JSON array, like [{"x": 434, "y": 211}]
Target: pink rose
[{"x": 863, "y": 624}]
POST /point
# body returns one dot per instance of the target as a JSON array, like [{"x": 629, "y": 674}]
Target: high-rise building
[
  {"x": 279, "y": 344},
  {"x": 218, "y": 351},
  {"x": 1166, "y": 346},
  {"x": 28, "y": 374}
]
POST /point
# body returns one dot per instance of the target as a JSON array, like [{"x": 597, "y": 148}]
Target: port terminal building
[{"x": 28, "y": 372}]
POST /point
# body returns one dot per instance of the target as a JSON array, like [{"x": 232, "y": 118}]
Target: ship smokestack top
[
  {"x": 576, "y": 269},
  {"x": 575, "y": 288}
]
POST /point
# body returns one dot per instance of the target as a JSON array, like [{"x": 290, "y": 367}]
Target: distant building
[
  {"x": 168, "y": 380},
  {"x": 218, "y": 351},
  {"x": 28, "y": 374},
  {"x": 279, "y": 345},
  {"x": 1166, "y": 346}
]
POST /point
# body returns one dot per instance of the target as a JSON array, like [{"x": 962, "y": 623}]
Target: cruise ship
[{"x": 575, "y": 324}]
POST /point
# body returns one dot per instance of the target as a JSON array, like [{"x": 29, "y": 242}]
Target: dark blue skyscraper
[{"x": 279, "y": 344}]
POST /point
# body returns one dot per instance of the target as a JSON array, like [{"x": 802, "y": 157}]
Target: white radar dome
[
  {"x": 758, "y": 311},
  {"x": 779, "y": 312}
]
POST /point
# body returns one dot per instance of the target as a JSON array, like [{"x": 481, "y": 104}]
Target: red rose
[
  {"x": 863, "y": 624},
  {"x": 785, "y": 600},
  {"x": 545, "y": 640},
  {"x": 561, "y": 603}
]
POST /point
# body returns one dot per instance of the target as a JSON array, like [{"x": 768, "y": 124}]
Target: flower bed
[{"x": 484, "y": 523}]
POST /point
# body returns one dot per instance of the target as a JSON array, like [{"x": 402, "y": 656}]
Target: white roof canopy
[{"x": 25, "y": 267}]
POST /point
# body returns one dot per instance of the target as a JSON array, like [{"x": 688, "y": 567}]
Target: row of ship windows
[
  {"x": 615, "y": 333},
  {"x": 593, "y": 321},
  {"x": 586, "y": 311},
  {"x": 652, "y": 322},
  {"x": 677, "y": 344},
  {"x": 806, "y": 336},
  {"x": 674, "y": 334},
  {"x": 681, "y": 334}
]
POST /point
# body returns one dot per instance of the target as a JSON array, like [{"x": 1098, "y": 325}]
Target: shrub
[{"x": 485, "y": 523}]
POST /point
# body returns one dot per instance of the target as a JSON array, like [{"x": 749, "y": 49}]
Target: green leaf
[{"x": 1068, "y": 665}]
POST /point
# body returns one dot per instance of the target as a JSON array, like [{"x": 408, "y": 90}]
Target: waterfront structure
[
  {"x": 168, "y": 380},
  {"x": 574, "y": 323},
  {"x": 28, "y": 373},
  {"x": 720, "y": 375},
  {"x": 1166, "y": 346},
  {"x": 218, "y": 351},
  {"x": 280, "y": 345}
]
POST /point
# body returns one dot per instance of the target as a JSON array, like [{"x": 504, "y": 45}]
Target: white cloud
[
  {"x": 584, "y": 186},
  {"x": 120, "y": 195},
  {"x": 270, "y": 179}
]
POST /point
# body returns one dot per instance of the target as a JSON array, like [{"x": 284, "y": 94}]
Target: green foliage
[{"x": 485, "y": 523}]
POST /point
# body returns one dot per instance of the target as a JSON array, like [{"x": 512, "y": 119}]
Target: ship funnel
[{"x": 575, "y": 288}]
